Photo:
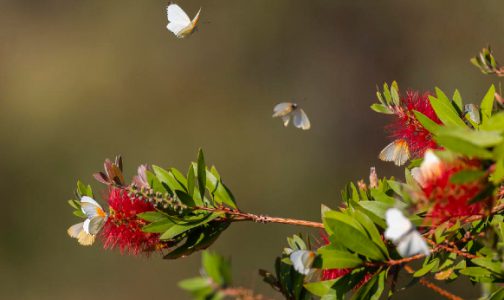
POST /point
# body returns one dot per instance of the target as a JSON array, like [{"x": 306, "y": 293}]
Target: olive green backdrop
[{"x": 84, "y": 80}]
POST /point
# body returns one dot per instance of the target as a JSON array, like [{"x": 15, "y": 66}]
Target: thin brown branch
[
  {"x": 242, "y": 294},
  {"x": 237, "y": 215},
  {"x": 432, "y": 286}
]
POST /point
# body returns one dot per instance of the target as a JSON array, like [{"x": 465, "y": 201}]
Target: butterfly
[
  {"x": 179, "y": 22},
  {"x": 403, "y": 234},
  {"x": 397, "y": 151},
  {"x": 430, "y": 168},
  {"x": 286, "y": 110},
  {"x": 302, "y": 260},
  {"x": 85, "y": 232}
]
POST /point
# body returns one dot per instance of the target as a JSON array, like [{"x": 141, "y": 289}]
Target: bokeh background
[{"x": 84, "y": 80}]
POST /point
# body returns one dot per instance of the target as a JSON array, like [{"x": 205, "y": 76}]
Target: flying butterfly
[
  {"x": 85, "y": 232},
  {"x": 286, "y": 110},
  {"x": 302, "y": 260},
  {"x": 179, "y": 22},
  {"x": 397, "y": 151},
  {"x": 403, "y": 234}
]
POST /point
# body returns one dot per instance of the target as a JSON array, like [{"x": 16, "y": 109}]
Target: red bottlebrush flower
[
  {"x": 123, "y": 229},
  {"x": 445, "y": 199},
  {"x": 407, "y": 128}
]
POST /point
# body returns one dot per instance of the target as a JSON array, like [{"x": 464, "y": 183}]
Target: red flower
[
  {"x": 445, "y": 199},
  {"x": 408, "y": 128},
  {"x": 123, "y": 229}
]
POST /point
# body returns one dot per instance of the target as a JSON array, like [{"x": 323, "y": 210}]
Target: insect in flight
[
  {"x": 401, "y": 231},
  {"x": 179, "y": 22},
  {"x": 286, "y": 110},
  {"x": 85, "y": 232},
  {"x": 397, "y": 151}
]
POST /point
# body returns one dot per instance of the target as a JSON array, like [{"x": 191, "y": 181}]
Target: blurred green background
[{"x": 84, "y": 80}]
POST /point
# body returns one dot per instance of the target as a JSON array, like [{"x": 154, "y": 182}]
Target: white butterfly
[
  {"x": 85, "y": 232},
  {"x": 302, "y": 260},
  {"x": 287, "y": 109},
  {"x": 429, "y": 169},
  {"x": 397, "y": 151},
  {"x": 403, "y": 234},
  {"x": 179, "y": 22}
]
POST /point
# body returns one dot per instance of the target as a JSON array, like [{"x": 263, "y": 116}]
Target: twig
[
  {"x": 242, "y": 294},
  {"x": 432, "y": 286},
  {"x": 237, "y": 215}
]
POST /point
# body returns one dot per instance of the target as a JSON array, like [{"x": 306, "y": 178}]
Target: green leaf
[
  {"x": 466, "y": 176},
  {"x": 355, "y": 240},
  {"x": 338, "y": 259},
  {"x": 494, "y": 123},
  {"x": 191, "y": 181},
  {"x": 380, "y": 108},
  {"x": 193, "y": 284},
  {"x": 177, "y": 229},
  {"x": 320, "y": 288},
  {"x": 217, "y": 268},
  {"x": 426, "y": 122},
  {"x": 457, "y": 99},
  {"x": 463, "y": 147},
  {"x": 497, "y": 295},
  {"x": 198, "y": 239},
  {"x": 179, "y": 177},
  {"x": 378, "y": 209},
  {"x": 446, "y": 113},
  {"x": 79, "y": 213},
  {"x": 201, "y": 173},
  {"x": 482, "y": 138},
  {"x": 330, "y": 217},
  {"x": 486, "y": 105},
  {"x": 151, "y": 216},
  {"x": 498, "y": 174},
  {"x": 476, "y": 272},
  {"x": 487, "y": 263},
  {"x": 167, "y": 178},
  {"x": 159, "y": 226},
  {"x": 74, "y": 204},
  {"x": 426, "y": 268},
  {"x": 371, "y": 229}
]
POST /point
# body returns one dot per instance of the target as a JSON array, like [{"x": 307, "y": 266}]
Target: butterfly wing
[
  {"x": 302, "y": 260},
  {"x": 282, "y": 109},
  {"x": 91, "y": 208},
  {"x": 397, "y": 224},
  {"x": 178, "y": 20},
  {"x": 300, "y": 119},
  {"x": 286, "y": 120},
  {"x": 96, "y": 224},
  {"x": 196, "y": 18},
  {"x": 77, "y": 231},
  {"x": 397, "y": 151},
  {"x": 177, "y": 15},
  {"x": 412, "y": 244},
  {"x": 86, "y": 239},
  {"x": 74, "y": 230}
]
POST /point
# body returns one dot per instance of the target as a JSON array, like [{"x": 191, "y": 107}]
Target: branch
[
  {"x": 237, "y": 215},
  {"x": 432, "y": 286}
]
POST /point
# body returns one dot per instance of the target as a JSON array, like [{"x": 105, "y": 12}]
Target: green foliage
[
  {"x": 285, "y": 279},
  {"x": 215, "y": 278},
  {"x": 486, "y": 62},
  {"x": 190, "y": 212}
]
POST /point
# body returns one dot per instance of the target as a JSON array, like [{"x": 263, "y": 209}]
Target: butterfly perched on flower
[
  {"x": 85, "y": 232},
  {"x": 302, "y": 260},
  {"x": 403, "y": 234},
  {"x": 286, "y": 110},
  {"x": 179, "y": 22},
  {"x": 397, "y": 151}
]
